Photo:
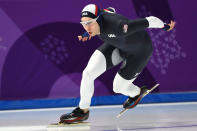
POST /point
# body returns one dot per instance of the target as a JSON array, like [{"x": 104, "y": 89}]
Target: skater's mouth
[{"x": 90, "y": 33}]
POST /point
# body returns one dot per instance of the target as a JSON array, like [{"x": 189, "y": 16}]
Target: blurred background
[{"x": 41, "y": 59}]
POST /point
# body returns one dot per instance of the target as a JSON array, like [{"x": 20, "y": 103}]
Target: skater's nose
[{"x": 87, "y": 28}]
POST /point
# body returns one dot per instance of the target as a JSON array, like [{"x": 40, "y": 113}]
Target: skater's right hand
[{"x": 84, "y": 37}]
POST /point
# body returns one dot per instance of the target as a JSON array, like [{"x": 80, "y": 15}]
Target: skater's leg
[
  {"x": 123, "y": 82},
  {"x": 96, "y": 66},
  {"x": 125, "y": 87},
  {"x": 104, "y": 58}
]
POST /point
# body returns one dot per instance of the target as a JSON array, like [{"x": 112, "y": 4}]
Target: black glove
[
  {"x": 166, "y": 27},
  {"x": 85, "y": 34}
]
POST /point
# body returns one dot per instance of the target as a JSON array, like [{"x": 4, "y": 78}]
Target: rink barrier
[{"x": 96, "y": 100}]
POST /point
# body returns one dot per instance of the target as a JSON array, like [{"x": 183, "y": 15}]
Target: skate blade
[
  {"x": 65, "y": 124},
  {"x": 65, "y": 127},
  {"x": 150, "y": 90},
  {"x": 124, "y": 110}
]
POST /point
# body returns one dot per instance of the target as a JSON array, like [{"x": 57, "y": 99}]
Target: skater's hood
[{"x": 92, "y": 11}]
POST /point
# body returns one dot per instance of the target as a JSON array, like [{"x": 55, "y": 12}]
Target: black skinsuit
[{"x": 130, "y": 38}]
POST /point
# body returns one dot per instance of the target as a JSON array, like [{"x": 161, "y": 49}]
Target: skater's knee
[
  {"x": 116, "y": 90},
  {"x": 88, "y": 74},
  {"x": 120, "y": 84},
  {"x": 116, "y": 87}
]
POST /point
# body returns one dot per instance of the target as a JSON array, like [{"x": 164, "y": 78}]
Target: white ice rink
[{"x": 145, "y": 117}]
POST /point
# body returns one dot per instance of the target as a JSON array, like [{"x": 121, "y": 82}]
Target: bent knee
[
  {"x": 86, "y": 73},
  {"x": 116, "y": 87}
]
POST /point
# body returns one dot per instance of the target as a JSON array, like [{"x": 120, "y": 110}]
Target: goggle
[{"x": 89, "y": 22}]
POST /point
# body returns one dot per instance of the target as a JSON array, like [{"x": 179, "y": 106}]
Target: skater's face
[{"x": 90, "y": 25}]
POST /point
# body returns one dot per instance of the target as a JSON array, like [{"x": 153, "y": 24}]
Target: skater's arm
[
  {"x": 155, "y": 22},
  {"x": 131, "y": 26}
]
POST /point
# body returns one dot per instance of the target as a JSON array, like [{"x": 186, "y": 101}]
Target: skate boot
[
  {"x": 76, "y": 116},
  {"x": 132, "y": 102}
]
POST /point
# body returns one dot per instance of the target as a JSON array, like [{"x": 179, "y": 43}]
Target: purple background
[{"x": 40, "y": 56}]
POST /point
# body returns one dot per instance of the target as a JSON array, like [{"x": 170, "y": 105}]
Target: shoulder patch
[{"x": 125, "y": 28}]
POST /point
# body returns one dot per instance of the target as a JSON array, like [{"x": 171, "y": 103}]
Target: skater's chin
[{"x": 91, "y": 34}]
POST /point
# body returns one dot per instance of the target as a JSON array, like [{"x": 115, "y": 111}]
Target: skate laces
[
  {"x": 133, "y": 99},
  {"x": 142, "y": 91},
  {"x": 77, "y": 111}
]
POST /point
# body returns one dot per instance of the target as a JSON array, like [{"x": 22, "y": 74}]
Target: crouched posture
[{"x": 125, "y": 41}]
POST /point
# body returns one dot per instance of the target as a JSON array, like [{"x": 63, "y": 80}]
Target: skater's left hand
[{"x": 171, "y": 24}]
